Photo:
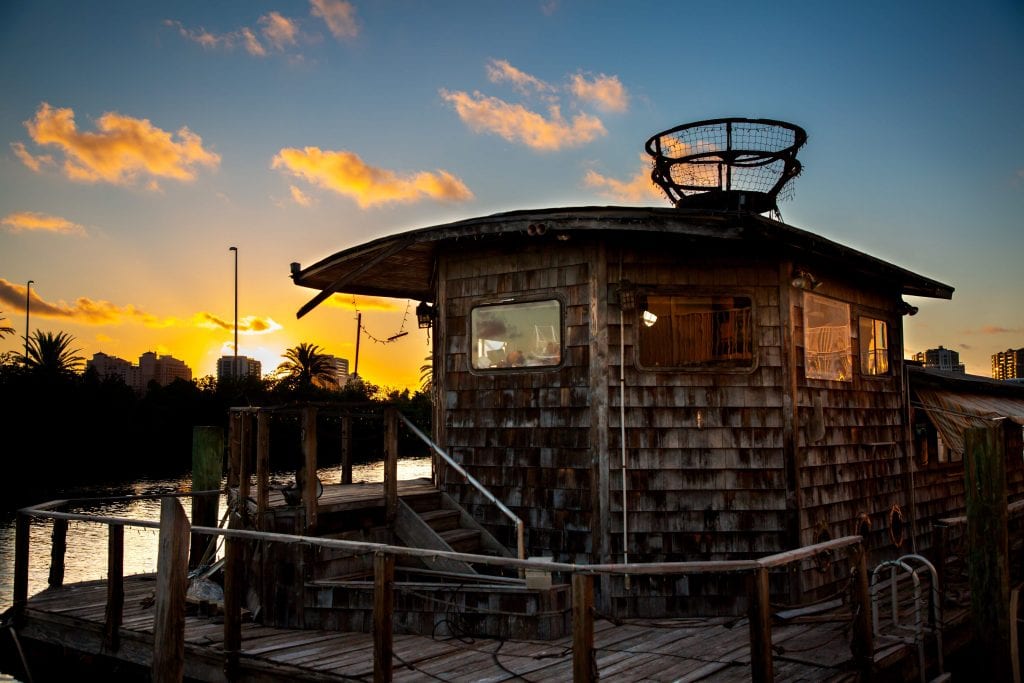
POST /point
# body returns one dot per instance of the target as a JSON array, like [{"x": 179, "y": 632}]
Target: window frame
[
  {"x": 492, "y": 302},
  {"x": 719, "y": 366},
  {"x": 811, "y": 296},
  {"x": 862, "y": 351}
]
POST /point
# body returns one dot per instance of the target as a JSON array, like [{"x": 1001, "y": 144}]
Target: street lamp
[
  {"x": 28, "y": 291},
  {"x": 234, "y": 365}
]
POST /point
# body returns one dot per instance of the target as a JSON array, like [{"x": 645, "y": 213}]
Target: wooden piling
[
  {"x": 233, "y": 587},
  {"x": 21, "y": 552},
  {"x": 346, "y": 449},
  {"x": 584, "y": 660},
  {"x": 762, "y": 665},
  {"x": 58, "y": 550},
  {"x": 383, "y": 614},
  {"x": 863, "y": 641},
  {"x": 262, "y": 465},
  {"x": 115, "y": 587},
  {"x": 985, "y": 451},
  {"x": 390, "y": 463},
  {"x": 171, "y": 587},
  {"x": 207, "y": 469},
  {"x": 309, "y": 445}
]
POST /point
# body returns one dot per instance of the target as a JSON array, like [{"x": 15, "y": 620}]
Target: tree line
[{"x": 64, "y": 427}]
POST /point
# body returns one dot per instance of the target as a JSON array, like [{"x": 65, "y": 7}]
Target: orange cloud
[
  {"x": 84, "y": 310},
  {"x": 607, "y": 92},
  {"x": 122, "y": 149},
  {"x": 340, "y": 17},
  {"x": 300, "y": 197},
  {"x": 500, "y": 70},
  {"x": 35, "y": 163},
  {"x": 639, "y": 188},
  {"x": 280, "y": 31},
  {"x": 250, "y": 324},
  {"x": 516, "y": 123},
  {"x": 364, "y": 303},
  {"x": 26, "y": 221},
  {"x": 252, "y": 44},
  {"x": 347, "y": 174}
]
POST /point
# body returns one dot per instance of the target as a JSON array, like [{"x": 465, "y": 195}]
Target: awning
[{"x": 953, "y": 412}]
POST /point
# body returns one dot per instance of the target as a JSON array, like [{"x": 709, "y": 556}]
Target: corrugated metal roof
[{"x": 952, "y": 412}]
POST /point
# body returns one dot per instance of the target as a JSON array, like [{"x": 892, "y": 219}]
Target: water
[{"x": 86, "y": 556}]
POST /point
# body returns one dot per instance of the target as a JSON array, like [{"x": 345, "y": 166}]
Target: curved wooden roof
[{"x": 401, "y": 265}]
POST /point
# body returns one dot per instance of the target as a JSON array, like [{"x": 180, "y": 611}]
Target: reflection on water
[{"x": 86, "y": 556}]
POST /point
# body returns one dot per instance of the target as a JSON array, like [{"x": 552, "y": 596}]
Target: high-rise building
[
  {"x": 1008, "y": 364},
  {"x": 161, "y": 369},
  {"x": 941, "y": 359},
  {"x": 340, "y": 368},
  {"x": 238, "y": 366}
]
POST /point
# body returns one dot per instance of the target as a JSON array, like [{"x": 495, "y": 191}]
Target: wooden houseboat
[{"x": 702, "y": 382}]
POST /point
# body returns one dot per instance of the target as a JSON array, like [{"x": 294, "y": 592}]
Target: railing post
[
  {"x": 171, "y": 586},
  {"x": 232, "y": 606},
  {"x": 115, "y": 587},
  {"x": 863, "y": 642},
  {"x": 390, "y": 463},
  {"x": 346, "y": 449},
  {"x": 584, "y": 661},
  {"x": 383, "y": 613},
  {"x": 21, "y": 547},
  {"x": 762, "y": 665},
  {"x": 309, "y": 445},
  {"x": 262, "y": 465},
  {"x": 58, "y": 550}
]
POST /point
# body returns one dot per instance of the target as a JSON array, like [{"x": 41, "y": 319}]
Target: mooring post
[
  {"x": 234, "y": 448},
  {"x": 346, "y": 449},
  {"x": 232, "y": 605},
  {"x": 762, "y": 665},
  {"x": 383, "y": 615},
  {"x": 207, "y": 468},
  {"x": 171, "y": 587},
  {"x": 244, "y": 447},
  {"x": 985, "y": 450},
  {"x": 58, "y": 550},
  {"x": 390, "y": 463},
  {"x": 584, "y": 660},
  {"x": 262, "y": 465},
  {"x": 115, "y": 587},
  {"x": 309, "y": 446},
  {"x": 863, "y": 641},
  {"x": 21, "y": 547}
]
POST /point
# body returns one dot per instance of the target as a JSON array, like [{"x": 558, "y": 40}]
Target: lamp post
[
  {"x": 28, "y": 291},
  {"x": 234, "y": 362}
]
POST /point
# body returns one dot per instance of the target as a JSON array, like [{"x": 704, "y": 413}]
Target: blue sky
[{"x": 144, "y": 139}]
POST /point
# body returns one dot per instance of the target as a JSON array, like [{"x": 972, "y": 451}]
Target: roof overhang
[{"x": 402, "y": 265}]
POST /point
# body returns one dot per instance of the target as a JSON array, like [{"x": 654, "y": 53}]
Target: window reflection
[{"x": 516, "y": 335}]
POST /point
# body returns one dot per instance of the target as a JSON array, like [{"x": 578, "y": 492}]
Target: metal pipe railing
[{"x": 520, "y": 533}]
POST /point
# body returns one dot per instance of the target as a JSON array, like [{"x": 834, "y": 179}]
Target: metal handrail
[{"x": 520, "y": 533}]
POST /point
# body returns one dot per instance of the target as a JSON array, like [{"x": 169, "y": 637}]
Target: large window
[
  {"x": 827, "y": 348},
  {"x": 516, "y": 335},
  {"x": 874, "y": 347},
  {"x": 680, "y": 331}
]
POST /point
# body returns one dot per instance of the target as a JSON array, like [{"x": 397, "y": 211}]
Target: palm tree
[
  {"x": 304, "y": 366},
  {"x": 52, "y": 354},
  {"x": 427, "y": 375},
  {"x": 4, "y": 329}
]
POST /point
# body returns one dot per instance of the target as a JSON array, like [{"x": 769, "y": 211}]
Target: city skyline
[{"x": 142, "y": 141}]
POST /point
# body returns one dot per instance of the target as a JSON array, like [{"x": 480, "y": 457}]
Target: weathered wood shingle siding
[{"x": 525, "y": 435}]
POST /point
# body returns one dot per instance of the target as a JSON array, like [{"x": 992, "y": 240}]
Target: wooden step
[
  {"x": 462, "y": 540},
  {"x": 441, "y": 520},
  {"x": 422, "y": 502}
]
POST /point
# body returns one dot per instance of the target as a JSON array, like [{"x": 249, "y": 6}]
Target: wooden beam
[
  {"x": 390, "y": 463},
  {"x": 233, "y": 586},
  {"x": 58, "y": 549},
  {"x": 599, "y": 456},
  {"x": 234, "y": 447},
  {"x": 207, "y": 468},
  {"x": 115, "y": 587},
  {"x": 171, "y": 587},
  {"x": 790, "y": 418},
  {"x": 762, "y": 665},
  {"x": 987, "y": 545},
  {"x": 863, "y": 642},
  {"x": 383, "y": 614},
  {"x": 262, "y": 465},
  {"x": 309, "y": 481},
  {"x": 584, "y": 661},
  {"x": 244, "y": 447}
]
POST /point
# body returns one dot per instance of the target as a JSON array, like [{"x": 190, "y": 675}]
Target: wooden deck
[{"x": 716, "y": 649}]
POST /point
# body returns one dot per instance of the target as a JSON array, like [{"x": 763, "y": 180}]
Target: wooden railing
[{"x": 172, "y": 567}]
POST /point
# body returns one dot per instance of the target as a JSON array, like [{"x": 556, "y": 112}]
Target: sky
[{"x": 140, "y": 141}]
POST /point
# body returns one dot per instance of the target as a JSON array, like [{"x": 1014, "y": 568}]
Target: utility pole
[
  {"x": 359, "y": 333},
  {"x": 28, "y": 291},
  {"x": 234, "y": 362}
]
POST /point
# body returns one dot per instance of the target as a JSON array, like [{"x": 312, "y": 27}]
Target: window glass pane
[
  {"x": 874, "y": 347},
  {"x": 827, "y": 348},
  {"x": 684, "y": 331},
  {"x": 516, "y": 335}
]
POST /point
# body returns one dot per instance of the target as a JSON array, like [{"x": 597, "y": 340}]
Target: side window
[
  {"x": 874, "y": 346},
  {"x": 516, "y": 335},
  {"x": 686, "y": 331},
  {"x": 827, "y": 347}
]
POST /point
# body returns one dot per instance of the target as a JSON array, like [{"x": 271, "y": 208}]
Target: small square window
[
  {"x": 827, "y": 347},
  {"x": 516, "y": 335},
  {"x": 874, "y": 346}
]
